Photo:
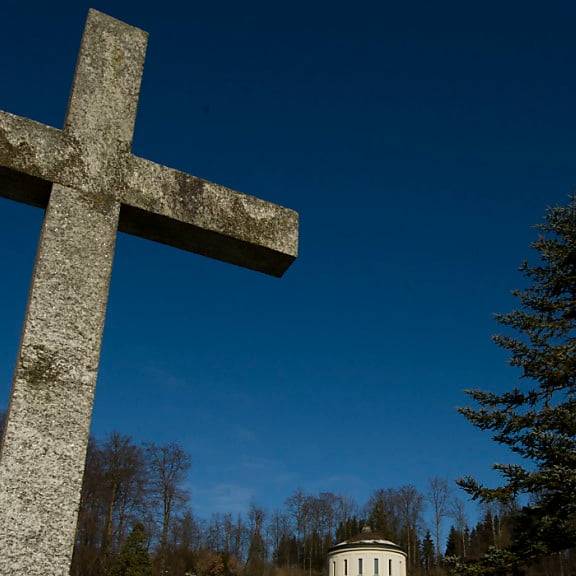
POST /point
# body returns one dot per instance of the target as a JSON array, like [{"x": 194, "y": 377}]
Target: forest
[{"x": 136, "y": 517}]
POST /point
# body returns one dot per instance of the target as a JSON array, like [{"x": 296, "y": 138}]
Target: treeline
[
  {"x": 136, "y": 519},
  {"x": 135, "y": 511},
  {"x": 130, "y": 486}
]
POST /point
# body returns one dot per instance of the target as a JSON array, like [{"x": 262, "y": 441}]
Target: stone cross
[{"x": 91, "y": 185}]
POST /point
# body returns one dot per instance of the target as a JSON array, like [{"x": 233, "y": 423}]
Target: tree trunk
[{"x": 108, "y": 525}]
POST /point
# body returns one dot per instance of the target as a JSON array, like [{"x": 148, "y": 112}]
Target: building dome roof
[{"x": 366, "y": 538}]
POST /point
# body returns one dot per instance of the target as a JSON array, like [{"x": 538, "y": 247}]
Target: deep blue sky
[{"x": 418, "y": 140}]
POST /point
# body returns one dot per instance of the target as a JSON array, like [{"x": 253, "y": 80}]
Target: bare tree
[
  {"x": 122, "y": 483},
  {"x": 346, "y": 508},
  {"x": 185, "y": 543},
  {"x": 410, "y": 505},
  {"x": 278, "y": 530},
  {"x": 458, "y": 513},
  {"x": 214, "y": 537},
  {"x": 86, "y": 558},
  {"x": 439, "y": 498},
  {"x": 168, "y": 466},
  {"x": 297, "y": 509},
  {"x": 257, "y": 553}
]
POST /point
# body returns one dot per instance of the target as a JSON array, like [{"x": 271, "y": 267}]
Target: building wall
[{"x": 390, "y": 562}]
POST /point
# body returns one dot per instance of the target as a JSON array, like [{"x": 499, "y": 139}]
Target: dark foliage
[
  {"x": 133, "y": 559},
  {"x": 537, "y": 419}
]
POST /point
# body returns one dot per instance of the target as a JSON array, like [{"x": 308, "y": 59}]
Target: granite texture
[
  {"x": 91, "y": 186},
  {"x": 44, "y": 445}
]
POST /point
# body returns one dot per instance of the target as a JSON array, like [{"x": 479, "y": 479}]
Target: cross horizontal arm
[
  {"x": 158, "y": 203},
  {"x": 175, "y": 208},
  {"x": 35, "y": 149}
]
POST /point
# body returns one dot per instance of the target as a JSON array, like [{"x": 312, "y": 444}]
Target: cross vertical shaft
[
  {"x": 51, "y": 403},
  {"x": 48, "y": 423}
]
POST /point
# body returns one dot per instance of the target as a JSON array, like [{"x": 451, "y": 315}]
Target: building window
[
  {"x": 375, "y": 566},
  {"x": 389, "y": 567},
  {"x": 345, "y": 567},
  {"x": 333, "y": 568},
  {"x": 359, "y": 565}
]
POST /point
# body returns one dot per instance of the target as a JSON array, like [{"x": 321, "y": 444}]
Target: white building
[{"x": 367, "y": 554}]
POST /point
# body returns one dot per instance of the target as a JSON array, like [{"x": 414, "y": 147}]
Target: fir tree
[
  {"x": 133, "y": 559},
  {"x": 378, "y": 518},
  {"x": 537, "y": 420},
  {"x": 428, "y": 553},
  {"x": 453, "y": 543},
  {"x": 256, "y": 561},
  {"x": 347, "y": 528}
]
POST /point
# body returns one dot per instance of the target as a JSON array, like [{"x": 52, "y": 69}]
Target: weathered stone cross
[{"x": 91, "y": 186}]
